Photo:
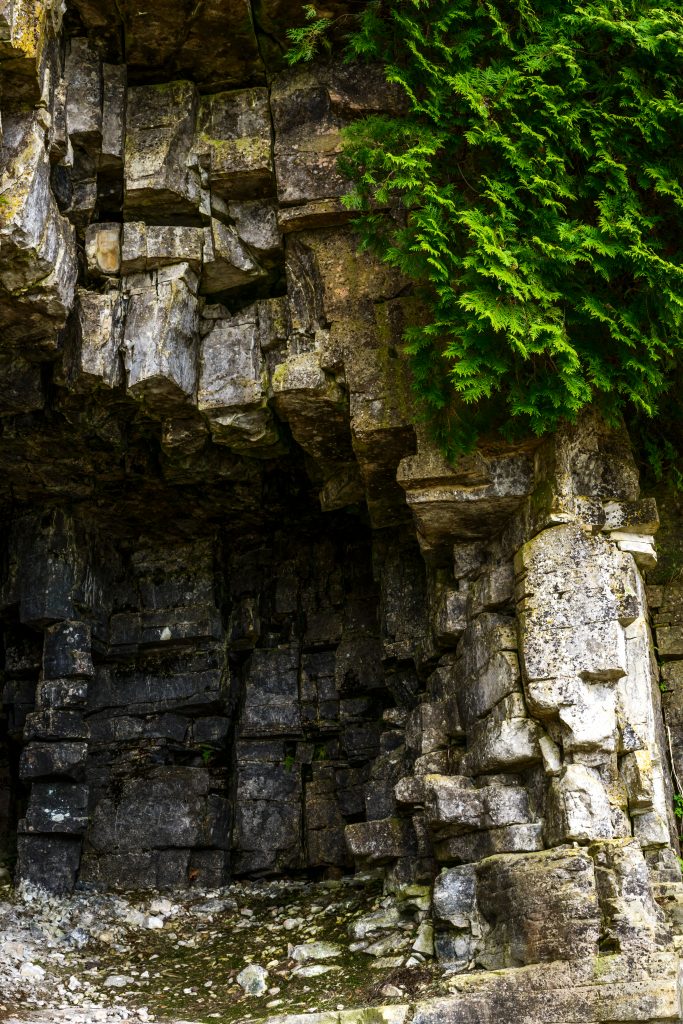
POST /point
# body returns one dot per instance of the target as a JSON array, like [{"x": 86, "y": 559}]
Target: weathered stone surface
[
  {"x": 309, "y": 109},
  {"x": 602, "y": 989},
  {"x": 148, "y": 247},
  {"x": 60, "y": 807},
  {"x": 96, "y": 340},
  {"x": 453, "y": 501},
  {"x": 170, "y": 809},
  {"x": 502, "y": 744},
  {"x": 46, "y": 760},
  {"x": 231, "y": 390},
  {"x": 578, "y": 807},
  {"x": 161, "y": 335},
  {"x": 67, "y": 651},
  {"x": 625, "y": 894},
  {"x": 38, "y": 263},
  {"x": 103, "y": 249},
  {"x": 84, "y": 95},
  {"x": 375, "y": 842},
  {"x": 540, "y": 907},
  {"x": 234, "y": 143},
  {"x": 453, "y": 805},
  {"x": 479, "y": 693},
  {"x": 51, "y": 861},
  {"x": 474, "y": 846},
  {"x": 159, "y": 180},
  {"x": 228, "y": 263}
]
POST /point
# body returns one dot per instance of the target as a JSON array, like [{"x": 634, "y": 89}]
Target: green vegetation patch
[{"x": 531, "y": 186}]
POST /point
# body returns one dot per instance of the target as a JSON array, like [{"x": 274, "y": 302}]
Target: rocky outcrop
[{"x": 254, "y": 624}]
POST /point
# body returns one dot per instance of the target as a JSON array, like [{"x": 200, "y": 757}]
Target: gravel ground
[{"x": 232, "y": 955}]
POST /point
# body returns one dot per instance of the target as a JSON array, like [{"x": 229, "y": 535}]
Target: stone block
[
  {"x": 450, "y": 619},
  {"x": 62, "y": 694},
  {"x": 606, "y": 988},
  {"x": 161, "y": 336},
  {"x": 114, "y": 78},
  {"x": 168, "y": 809},
  {"x": 271, "y": 701},
  {"x": 94, "y": 354},
  {"x": 309, "y": 109},
  {"x": 637, "y": 771},
  {"x": 539, "y": 906},
  {"x": 268, "y": 815},
  {"x": 103, "y": 249},
  {"x": 578, "y": 807},
  {"x": 471, "y": 498},
  {"x": 493, "y": 589},
  {"x": 578, "y": 632},
  {"x": 315, "y": 406},
  {"x": 485, "y": 636},
  {"x": 150, "y": 246},
  {"x": 49, "y": 861},
  {"x": 233, "y": 143},
  {"x": 632, "y": 516},
  {"x": 67, "y": 651},
  {"x": 494, "y": 745},
  {"x": 377, "y": 842},
  {"x": 228, "y": 262},
  {"x": 159, "y": 179},
  {"x": 670, "y": 641},
  {"x": 39, "y": 262},
  {"x": 474, "y": 846},
  {"x": 190, "y": 686},
  {"x": 430, "y": 726},
  {"x": 454, "y": 899},
  {"x": 257, "y": 225},
  {"x": 231, "y": 390},
  {"x": 479, "y": 693},
  {"x": 468, "y": 559},
  {"x": 60, "y": 807},
  {"x": 55, "y": 725},
  {"x": 624, "y": 888},
  {"x": 83, "y": 74},
  {"x": 453, "y": 805},
  {"x": 46, "y": 760}
]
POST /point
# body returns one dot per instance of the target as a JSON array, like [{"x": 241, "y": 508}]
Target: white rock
[
  {"x": 253, "y": 980},
  {"x": 315, "y": 951},
  {"x": 117, "y": 981},
  {"x": 314, "y": 970},
  {"x": 32, "y": 972}
]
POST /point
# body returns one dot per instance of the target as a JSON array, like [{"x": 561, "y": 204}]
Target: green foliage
[
  {"x": 289, "y": 762},
  {"x": 678, "y": 805},
  {"x": 533, "y": 170},
  {"x": 308, "y": 41}
]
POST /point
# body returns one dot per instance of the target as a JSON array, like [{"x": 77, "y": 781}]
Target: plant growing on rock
[{"x": 534, "y": 178}]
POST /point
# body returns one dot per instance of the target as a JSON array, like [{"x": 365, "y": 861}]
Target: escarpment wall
[{"x": 252, "y": 622}]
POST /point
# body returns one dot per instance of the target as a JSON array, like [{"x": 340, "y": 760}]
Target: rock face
[{"x": 252, "y": 622}]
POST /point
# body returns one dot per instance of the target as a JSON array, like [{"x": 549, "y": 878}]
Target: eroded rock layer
[{"x": 253, "y": 623}]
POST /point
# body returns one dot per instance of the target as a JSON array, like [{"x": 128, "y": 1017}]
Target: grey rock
[
  {"x": 160, "y": 129},
  {"x": 161, "y": 336},
  {"x": 233, "y": 143}
]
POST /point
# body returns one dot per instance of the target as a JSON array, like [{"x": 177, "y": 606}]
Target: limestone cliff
[{"x": 252, "y": 622}]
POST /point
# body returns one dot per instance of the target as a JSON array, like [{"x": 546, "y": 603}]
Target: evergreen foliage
[{"x": 535, "y": 182}]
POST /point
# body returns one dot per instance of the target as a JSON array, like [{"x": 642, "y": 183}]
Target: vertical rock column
[
  {"x": 54, "y": 761},
  {"x": 56, "y": 588}
]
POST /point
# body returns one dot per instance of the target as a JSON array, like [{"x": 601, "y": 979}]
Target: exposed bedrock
[{"x": 253, "y": 623}]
